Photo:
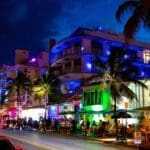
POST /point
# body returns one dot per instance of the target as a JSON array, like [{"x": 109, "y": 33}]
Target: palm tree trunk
[
  {"x": 45, "y": 116},
  {"x": 115, "y": 114},
  {"x": 19, "y": 102},
  {"x": 46, "y": 100}
]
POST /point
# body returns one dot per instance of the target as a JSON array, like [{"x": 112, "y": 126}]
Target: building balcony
[
  {"x": 138, "y": 60},
  {"x": 67, "y": 55},
  {"x": 59, "y": 71}
]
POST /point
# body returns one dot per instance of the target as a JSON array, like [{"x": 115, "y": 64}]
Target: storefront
[
  {"x": 53, "y": 112},
  {"x": 34, "y": 113},
  {"x": 13, "y": 113},
  {"x": 92, "y": 113},
  {"x": 66, "y": 111},
  {"x": 94, "y": 103}
]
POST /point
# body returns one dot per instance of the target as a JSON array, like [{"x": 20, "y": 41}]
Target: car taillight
[{"x": 19, "y": 148}]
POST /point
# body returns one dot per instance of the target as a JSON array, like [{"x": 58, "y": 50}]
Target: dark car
[{"x": 5, "y": 144}]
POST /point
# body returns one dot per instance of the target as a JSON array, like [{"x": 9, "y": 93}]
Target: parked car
[{"x": 5, "y": 144}]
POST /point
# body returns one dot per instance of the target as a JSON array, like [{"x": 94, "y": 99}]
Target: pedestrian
[{"x": 88, "y": 128}]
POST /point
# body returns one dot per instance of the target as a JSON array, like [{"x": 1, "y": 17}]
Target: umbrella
[{"x": 121, "y": 115}]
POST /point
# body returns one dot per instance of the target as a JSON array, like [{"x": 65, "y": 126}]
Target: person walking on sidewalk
[{"x": 88, "y": 128}]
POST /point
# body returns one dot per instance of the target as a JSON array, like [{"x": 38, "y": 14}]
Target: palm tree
[
  {"x": 4, "y": 92},
  {"x": 19, "y": 85},
  {"x": 115, "y": 73},
  {"x": 140, "y": 14},
  {"x": 48, "y": 83},
  {"x": 38, "y": 96}
]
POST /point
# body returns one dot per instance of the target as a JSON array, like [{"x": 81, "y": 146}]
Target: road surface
[{"x": 37, "y": 141}]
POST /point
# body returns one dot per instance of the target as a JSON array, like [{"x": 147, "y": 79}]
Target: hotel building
[
  {"x": 32, "y": 68},
  {"x": 70, "y": 60}
]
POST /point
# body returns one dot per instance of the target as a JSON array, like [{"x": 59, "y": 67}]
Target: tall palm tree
[
  {"x": 19, "y": 85},
  {"x": 38, "y": 96},
  {"x": 115, "y": 73},
  {"x": 47, "y": 83},
  {"x": 140, "y": 14}
]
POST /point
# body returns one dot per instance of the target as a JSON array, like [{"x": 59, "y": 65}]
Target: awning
[
  {"x": 147, "y": 108},
  {"x": 121, "y": 115},
  {"x": 66, "y": 98},
  {"x": 67, "y": 113},
  {"x": 92, "y": 112},
  {"x": 120, "y": 110}
]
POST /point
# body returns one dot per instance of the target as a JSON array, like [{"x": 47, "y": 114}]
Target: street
[{"x": 37, "y": 141}]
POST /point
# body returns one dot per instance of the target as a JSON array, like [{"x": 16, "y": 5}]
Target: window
[
  {"x": 97, "y": 47},
  {"x": 93, "y": 98},
  {"x": 68, "y": 51},
  {"x": 77, "y": 48},
  {"x": 146, "y": 56}
]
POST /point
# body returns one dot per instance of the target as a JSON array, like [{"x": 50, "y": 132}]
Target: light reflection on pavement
[{"x": 38, "y": 141}]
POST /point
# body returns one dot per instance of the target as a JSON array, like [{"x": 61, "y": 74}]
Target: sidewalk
[{"x": 129, "y": 143}]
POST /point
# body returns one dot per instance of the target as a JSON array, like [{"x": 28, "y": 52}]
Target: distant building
[{"x": 31, "y": 67}]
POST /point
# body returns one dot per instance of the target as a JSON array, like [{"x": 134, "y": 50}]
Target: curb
[
  {"x": 78, "y": 136},
  {"x": 129, "y": 144}
]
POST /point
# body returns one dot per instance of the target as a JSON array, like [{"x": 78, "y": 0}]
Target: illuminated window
[
  {"x": 146, "y": 56},
  {"x": 92, "y": 98}
]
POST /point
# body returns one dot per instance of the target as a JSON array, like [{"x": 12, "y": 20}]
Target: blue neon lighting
[
  {"x": 89, "y": 66},
  {"x": 73, "y": 85}
]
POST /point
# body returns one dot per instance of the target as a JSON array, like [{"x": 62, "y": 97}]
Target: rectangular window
[
  {"x": 77, "y": 48},
  {"x": 93, "y": 98},
  {"x": 146, "y": 56},
  {"x": 96, "y": 47}
]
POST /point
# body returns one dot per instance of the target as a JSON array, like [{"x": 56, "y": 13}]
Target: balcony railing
[
  {"x": 67, "y": 70},
  {"x": 77, "y": 69},
  {"x": 57, "y": 72},
  {"x": 137, "y": 60},
  {"x": 60, "y": 71},
  {"x": 68, "y": 52}
]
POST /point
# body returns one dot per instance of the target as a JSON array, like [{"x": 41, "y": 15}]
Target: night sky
[{"x": 29, "y": 24}]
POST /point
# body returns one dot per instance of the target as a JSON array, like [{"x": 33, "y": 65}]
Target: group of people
[
  {"x": 99, "y": 129},
  {"x": 71, "y": 126},
  {"x": 65, "y": 126},
  {"x": 62, "y": 126},
  {"x": 22, "y": 124}
]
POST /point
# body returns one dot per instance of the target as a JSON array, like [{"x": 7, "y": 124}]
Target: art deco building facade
[{"x": 70, "y": 59}]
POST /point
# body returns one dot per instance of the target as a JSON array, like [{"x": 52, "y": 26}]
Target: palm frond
[
  {"x": 147, "y": 19},
  {"x": 127, "y": 71},
  {"x": 11, "y": 90},
  {"x": 131, "y": 26},
  {"x": 146, "y": 4},
  {"x": 115, "y": 59},
  {"x": 130, "y": 4},
  {"x": 138, "y": 82},
  {"x": 114, "y": 90},
  {"x": 48, "y": 82},
  {"x": 96, "y": 60},
  {"x": 127, "y": 92}
]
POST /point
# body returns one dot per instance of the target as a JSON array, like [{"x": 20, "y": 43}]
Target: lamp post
[{"x": 126, "y": 104}]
